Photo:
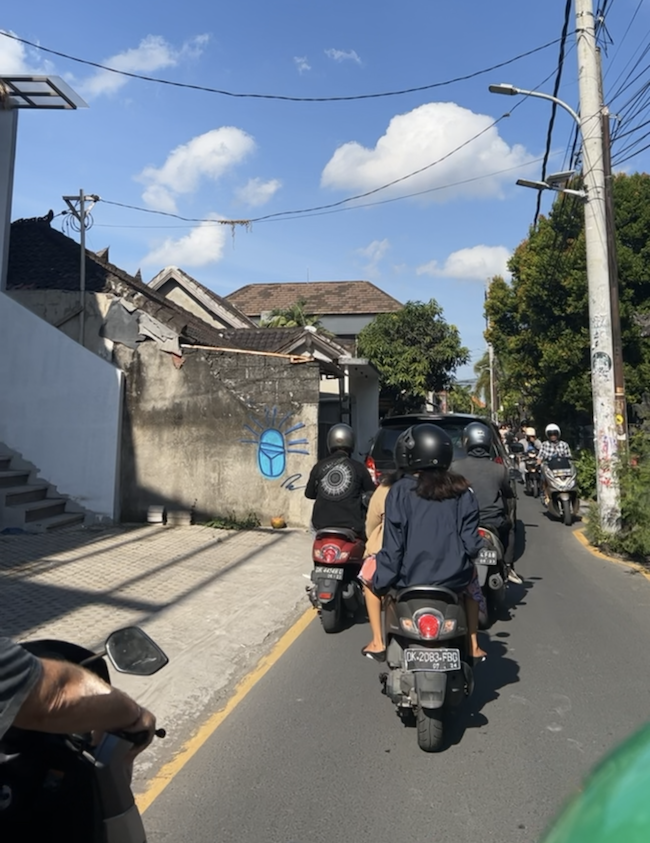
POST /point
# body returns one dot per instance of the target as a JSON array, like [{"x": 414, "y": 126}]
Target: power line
[
  {"x": 556, "y": 90},
  {"x": 306, "y": 215},
  {"x": 283, "y": 97}
]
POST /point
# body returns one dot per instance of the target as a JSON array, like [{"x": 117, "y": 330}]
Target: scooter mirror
[{"x": 132, "y": 651}]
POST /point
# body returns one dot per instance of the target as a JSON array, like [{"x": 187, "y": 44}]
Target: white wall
[
  {"x": 364, "y": 395},
  {"x": 61, "y": 408}
]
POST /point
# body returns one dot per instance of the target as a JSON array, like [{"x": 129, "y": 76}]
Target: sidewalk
[{"x": 215, "y": 601}]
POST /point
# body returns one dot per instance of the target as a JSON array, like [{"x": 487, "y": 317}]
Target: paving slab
[{"x": 214, "y": 600}]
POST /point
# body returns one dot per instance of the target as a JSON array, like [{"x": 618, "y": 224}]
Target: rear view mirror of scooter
[{"x": 132, "y": 651}]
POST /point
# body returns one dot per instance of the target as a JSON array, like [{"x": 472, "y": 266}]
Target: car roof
[{"x": 413, "y": 418}]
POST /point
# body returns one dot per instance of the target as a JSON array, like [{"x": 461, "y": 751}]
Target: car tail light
[
  {"x": 428, "y": 626},
  {"x": 372, "y": 469},
  {"x": 330, "y": 553}
]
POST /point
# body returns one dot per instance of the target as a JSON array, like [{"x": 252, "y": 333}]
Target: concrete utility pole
[
  {"x": 600, "y": 317},
  {"x": 80, "y": 206}
]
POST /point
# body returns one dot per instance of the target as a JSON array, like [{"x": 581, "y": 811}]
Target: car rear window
[{"x": 387, "y": 437}]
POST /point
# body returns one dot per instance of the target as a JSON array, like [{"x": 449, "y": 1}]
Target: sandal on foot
[{"x": 379, "y": 656}]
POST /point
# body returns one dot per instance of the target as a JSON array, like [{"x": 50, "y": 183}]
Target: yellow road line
[
  {"x": 189, "y": 750},
  {"x": 584, "y": 541}
]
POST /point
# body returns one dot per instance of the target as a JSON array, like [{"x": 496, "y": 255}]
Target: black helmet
[
  {"x": 400, "y": 452},
  {"x": 428, "y": 446},
  {"x": 477, "y": 435},
  {"x": 340, "y": 438}
]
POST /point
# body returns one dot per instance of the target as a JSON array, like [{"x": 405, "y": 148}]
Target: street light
[
  {"x": 552, "y": 183},
  {"x": 598, "y": 280},
  {"x": 19, "y": 92}
]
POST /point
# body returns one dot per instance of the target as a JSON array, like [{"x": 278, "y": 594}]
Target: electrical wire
[
  {"x": 622, "y": 41},
  {"x": 283, "y": 97},
  {"x": 556, "y": 89}
]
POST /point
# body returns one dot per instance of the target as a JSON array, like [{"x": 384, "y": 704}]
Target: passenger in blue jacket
[{"x": 431, "y": 526}]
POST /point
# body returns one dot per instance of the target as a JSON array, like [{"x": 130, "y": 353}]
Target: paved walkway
[{"x": 214, "y": 600}]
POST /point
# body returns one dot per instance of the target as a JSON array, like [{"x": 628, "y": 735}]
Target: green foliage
[
  {"x": 291, "y": 317},
  {"x": 460, "y": 399},
  {"x": 230, "y": 521},
  {"x": 539, "y": 323},
  {"x": 634, "y": 537},
  {"x": 415, "y": 351},
  {"x": 586, "y": 468}
]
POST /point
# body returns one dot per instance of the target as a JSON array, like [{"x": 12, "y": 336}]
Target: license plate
[
  {"x": 439, "y": 660},
  {"x": 487, "y": 557},
  {"x": 330, "y": 573}
]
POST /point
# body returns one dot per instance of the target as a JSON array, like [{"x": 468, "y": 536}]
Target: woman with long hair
[{"x": 430, "y": 527}]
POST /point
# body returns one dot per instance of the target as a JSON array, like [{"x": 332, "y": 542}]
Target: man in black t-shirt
[{"x": 337, "y": 484}]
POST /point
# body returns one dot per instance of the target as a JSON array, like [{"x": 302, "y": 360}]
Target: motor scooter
[
  {"x": 64, "y": 788},
  {"x": 427, "y": 654},
  {"x": 561, "y": 478},
  {"x": 335, "y": 589},
  {"x": 492, "y": 574}
]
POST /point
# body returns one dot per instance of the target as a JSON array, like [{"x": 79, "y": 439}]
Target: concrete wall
[
  {"x": 175, "y": 293},
  {"x": 60, "y": 408},
  {"x": 60, "y": 308},
  {"x": 191, "y": 436}
]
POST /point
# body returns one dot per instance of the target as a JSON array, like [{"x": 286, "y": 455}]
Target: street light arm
[{"x": 510, "y": 90}]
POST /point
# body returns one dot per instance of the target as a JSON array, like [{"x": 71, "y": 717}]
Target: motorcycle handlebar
[{"x": 138, "y": 738}]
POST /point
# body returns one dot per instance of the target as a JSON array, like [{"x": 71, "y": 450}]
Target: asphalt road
[{"x": 316, "y": 753}]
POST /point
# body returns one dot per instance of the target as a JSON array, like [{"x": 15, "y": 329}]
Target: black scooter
[
  {"x": 428, "y": 658},
  {"x": 61, "y": 788}
]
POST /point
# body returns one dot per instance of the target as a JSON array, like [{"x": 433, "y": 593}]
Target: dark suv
[{"x": 380, "y": 458}]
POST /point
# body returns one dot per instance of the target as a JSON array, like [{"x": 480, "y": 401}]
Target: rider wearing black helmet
[
  {"x": 491, "y": 485},
  {"x": 431, "y": 525},
  {"x": 337, "y": 484}
]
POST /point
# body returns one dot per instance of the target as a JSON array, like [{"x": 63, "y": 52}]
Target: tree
[
  {"x": 539, "y": 323},
  {"x": 293, "y": 316},
  {"x": 460, "y": 399},
  {"x": 415, "y": 351}
]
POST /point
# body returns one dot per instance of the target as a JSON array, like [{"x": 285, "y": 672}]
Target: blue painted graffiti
[
  {"x": 273, "y": 442},
  {"x": 290, "y": 483}
]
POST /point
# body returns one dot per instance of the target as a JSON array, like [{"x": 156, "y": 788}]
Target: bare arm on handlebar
[{"x": 67, "y": 698}]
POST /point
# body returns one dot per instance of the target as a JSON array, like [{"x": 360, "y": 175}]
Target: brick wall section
[{"x": 183, "y": 431}]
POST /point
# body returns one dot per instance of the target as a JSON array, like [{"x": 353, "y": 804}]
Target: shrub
[
  {"x": 230, "y": 521},
  {"x": 586, "y": 468}
]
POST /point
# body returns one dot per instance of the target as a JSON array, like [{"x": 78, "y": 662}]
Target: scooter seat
[
  {"x": 350, "y": 535},
  {"x": 435, "y": 591}
]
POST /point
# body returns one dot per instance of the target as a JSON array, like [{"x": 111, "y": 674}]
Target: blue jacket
[{"x": 427, "y": 542}]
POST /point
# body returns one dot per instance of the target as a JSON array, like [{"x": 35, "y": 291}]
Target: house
[
  {"x": 179, "y": 287},
  {"x": 159, "y": 408},
  {"x": 342, "y": 307}
]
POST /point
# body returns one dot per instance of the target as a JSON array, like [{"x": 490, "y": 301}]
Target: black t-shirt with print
[{"x": 337, "y": 484}]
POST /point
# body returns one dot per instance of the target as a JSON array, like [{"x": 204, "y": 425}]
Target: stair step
[
  {"x": 58, "y": 522},
  {"x": 24, "y": 494},
  {"x": 13, "y": 478},
  {"x": 39, "y": 510}
]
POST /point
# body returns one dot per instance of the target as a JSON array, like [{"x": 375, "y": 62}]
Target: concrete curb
[{"x": 584, "y": 541}]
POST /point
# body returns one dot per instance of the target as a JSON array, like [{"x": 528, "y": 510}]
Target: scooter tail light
[
  {"x": 448, "y": 627},
  {"x": 428, "y": 626},
  {"x": 330, "y": 553},
  {"x": 372, "y": 469},
  {"x": 482, "y": 533}
]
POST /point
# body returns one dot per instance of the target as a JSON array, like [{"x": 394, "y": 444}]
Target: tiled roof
[
  {"x": 42, "y": 258},
  {"x": 261, "y": 339},
  {"x": 321, "y": 297}
]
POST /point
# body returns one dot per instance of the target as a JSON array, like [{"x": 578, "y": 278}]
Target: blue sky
[{"x": 207, "y": 156}]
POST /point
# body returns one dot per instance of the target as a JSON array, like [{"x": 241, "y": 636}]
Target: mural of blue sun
[{"x": 273, "y": 442}]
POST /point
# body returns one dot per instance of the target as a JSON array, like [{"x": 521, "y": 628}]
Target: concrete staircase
[{"x": 29, "y": 503}]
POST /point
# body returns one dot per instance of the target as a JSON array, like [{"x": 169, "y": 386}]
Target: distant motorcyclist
[
  {"x": 490, "y": 483},
  {"x": 338, "y": 483},
  {"x": 532, "y": 447}
]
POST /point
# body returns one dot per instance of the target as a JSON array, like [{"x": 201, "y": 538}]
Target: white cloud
[
  {"x": 206, "y": 156},
  {"x": 476, "y": 263},
  {"x": 419, "y": 137},
  {"x": 204, "y": 244},
  {"x": 257, "y": 192},
  {"x": 343, "y": 55},
  {"x": 16, "y": 59},
  {"x": 374, "y": 253},
  {"x": 301, "y": 63},
  {"x": 152, "y": 53}
]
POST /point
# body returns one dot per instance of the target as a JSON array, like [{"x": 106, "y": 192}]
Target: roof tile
[{"x": 321, "y": 297}]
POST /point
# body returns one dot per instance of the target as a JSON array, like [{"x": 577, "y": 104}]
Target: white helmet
[
  {"x": 552, "y": 428},
  {"x": 530, "y": 431}
]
